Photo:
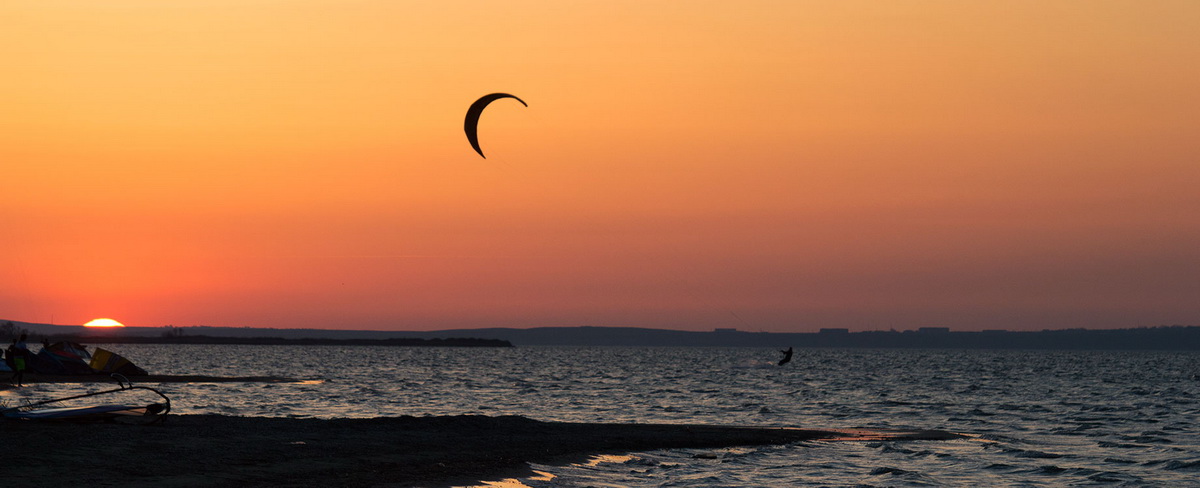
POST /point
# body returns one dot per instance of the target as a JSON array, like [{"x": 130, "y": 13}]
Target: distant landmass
[
  {"x": 1174, "y": 337},
  {"x": 1149, "y": 338},
  {"x": 231, "y": 335}
]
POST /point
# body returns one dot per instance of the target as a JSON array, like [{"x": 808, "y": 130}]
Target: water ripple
[{"x": 1043, "y": 418}]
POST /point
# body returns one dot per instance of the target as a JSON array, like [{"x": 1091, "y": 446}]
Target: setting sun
[{"x": 104, "y": 323}]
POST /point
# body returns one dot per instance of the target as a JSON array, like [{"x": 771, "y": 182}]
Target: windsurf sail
[
  {"x": 106, "y": 361},
  {"x": 62, "y": 358}
]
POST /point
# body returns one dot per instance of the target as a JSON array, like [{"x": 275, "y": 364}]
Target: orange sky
[{"x": 769, "y": 165}]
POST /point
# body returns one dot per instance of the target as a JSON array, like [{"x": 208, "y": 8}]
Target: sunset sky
[{"x": 765, "y": 165}]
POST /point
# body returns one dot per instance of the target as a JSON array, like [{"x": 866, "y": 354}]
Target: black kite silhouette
[{"x": 471, "y": 125}]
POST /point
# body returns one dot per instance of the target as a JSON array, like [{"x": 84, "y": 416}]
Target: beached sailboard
[
  {"x": 125, "y": 413},
  {"x": 94, "y": 412}
]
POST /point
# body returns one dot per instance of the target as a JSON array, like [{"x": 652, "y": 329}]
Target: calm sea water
[{"x": 1041, "y": 418}]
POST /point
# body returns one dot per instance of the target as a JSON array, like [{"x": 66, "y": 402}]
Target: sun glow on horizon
[
  {"x": 771, "y": 165},
  {"x": 104, "y": 323}
]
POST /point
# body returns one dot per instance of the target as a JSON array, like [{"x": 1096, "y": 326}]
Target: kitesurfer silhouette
[{"x": 787, "y": 356}]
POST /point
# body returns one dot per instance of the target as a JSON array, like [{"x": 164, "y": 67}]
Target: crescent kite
[{"x": 471, "y": 125}]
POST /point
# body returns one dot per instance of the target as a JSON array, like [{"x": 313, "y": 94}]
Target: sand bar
[{"x": 213, "y": 450}]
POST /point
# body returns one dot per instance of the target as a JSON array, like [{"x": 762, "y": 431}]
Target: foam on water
[{"x": 1039, "y": 418}]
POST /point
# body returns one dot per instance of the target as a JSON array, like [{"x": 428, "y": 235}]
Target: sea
[{"x": 1032, "y": 418}]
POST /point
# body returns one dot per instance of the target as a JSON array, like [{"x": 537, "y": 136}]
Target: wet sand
[{"x": 211, "y": 450}]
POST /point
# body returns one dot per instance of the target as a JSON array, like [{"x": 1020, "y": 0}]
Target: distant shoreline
[{"x": 1160, "y": 338}]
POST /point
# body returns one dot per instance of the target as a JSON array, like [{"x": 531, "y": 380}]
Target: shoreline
[
  {"x": 155, "y": 378},
  {"x": 280, "y": 341},
  {"x": 212, "y": 450}
]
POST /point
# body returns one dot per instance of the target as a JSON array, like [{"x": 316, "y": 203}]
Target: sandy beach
[{"x": 210, "y": 450}]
